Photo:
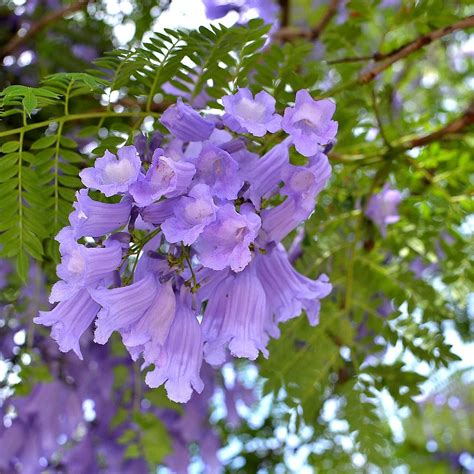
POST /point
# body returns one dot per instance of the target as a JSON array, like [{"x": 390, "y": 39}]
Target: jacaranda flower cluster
[{"x": 187, "y": 262}]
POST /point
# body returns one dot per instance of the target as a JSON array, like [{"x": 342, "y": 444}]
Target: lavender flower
[
  {"x": 288, "y": 292},
  {"x": 179, "y": 367},
  {"x": 382, "y": 208},
  {"x": 83, "y": 267},
  {"x": 185, "y": 123},
  {"x": 309, "y": 123},
  {"x": 69, "y": 320},
  {"x": 226, "y": 241},
  {"x": 94, "y": 218},
  {"x": 246, "y": 114},
  {"x": 218, "y": 169},
  {"x": 192, "y": 214},
  {"x": 165, "y": 177},
  {"x": 113, "y": 174},
  {"x": 236, "y": 315}
]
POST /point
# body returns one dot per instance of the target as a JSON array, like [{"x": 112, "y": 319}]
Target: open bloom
[
  {"x": 185, "y": 123},
  {"x": 382, "y": 208},
  {"x": 180, "y": 364},
  {"x": 192, "y": 213},
  {"x": 94, "y": 218},
  {"x": 309, "y": 123},
  {"x": 165, "y": 177},
  {"x": 113, "y": 174},
  {"x": 226, "y": 241},
  {"x": 219, "y": 170},
  {"x": 246, "y": 114}
]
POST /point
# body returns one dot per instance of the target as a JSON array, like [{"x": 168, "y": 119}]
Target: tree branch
[
  {"x": 39, "y": 26},
  {"x": 287, "y": 33},
  {"x": 285, "y": 12},
  {"x": 455, "y": 126},
  {"x": 388, "y": 59}
]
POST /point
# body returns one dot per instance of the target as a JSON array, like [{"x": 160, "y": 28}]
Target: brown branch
[
  {"x": 288, "y": 33},
  {"x": 455, "y": 126},
  {"x": 285, "y": 12},
  {"x": 387, "y": 59},
  {"x": 39, "y": 26}
]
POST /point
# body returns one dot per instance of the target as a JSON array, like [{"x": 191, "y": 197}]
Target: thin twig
[
  {"x": 455, "y": 126},
  {"x": 285, "y": 12},
  {"x": 287, "y": 33},
  {"x": 39, "y": 26},
  {"x": 386, "y": 60}
]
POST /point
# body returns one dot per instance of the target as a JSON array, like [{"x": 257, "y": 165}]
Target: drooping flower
[
  {"x": 302, "y": 185},
  {"x": 192, "y": 213},
  {"x": 123, "y": 307},
  {"x": 309, "y": 123},
  {"x": 236, "y": 316},
  {"x": 69, "y": 320},
  {"x": 218, "y": 169},
  {"x": 113, "y": 174},
  {"x": 287, "y": 291},
  {"x": 246, "y": 114},
  {"x": 165, "y": 177},
  {"x": 226, "y": 241},
  {"x": 180, "y": 364},
  {"x": 146, "y": 147},
  {"x": 185, "y": 123},
  {"x": 81, "y": 266},
  {"x": 216, "y": 9},
  {"x": 382, "y": 208},
  {"x": 266, "y": 173},
  {"x": 94, "y": 218}
]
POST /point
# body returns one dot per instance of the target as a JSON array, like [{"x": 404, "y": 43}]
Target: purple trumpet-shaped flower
[
  {"x": 287, "y": 291},
  {"x": 132, "y": 310},
  {"x": 165, "y": 177},
  {"x": 158, "y": 212},
  {"x": 226, "y": 241},
  {"x": 83, "y": 267},
  {"x": 266, "y": 173},
  {"x": 236, "y": 316},
  {"x": 246, "y": 114},
  {"x": 382, "y": 208},
  {"x": 302, "y": 185},
  {"x": 185, "y": 123},
  {"x": 69, "y": 320},
  {"x": 219, "y": 170},
  {"x": 192, "y": 213},
  {"x": 309, "y": 123},
  {"x": 180, "y": 363},
  {"x": 113, "y": 174},
  {"x": 146, "y": 148},
  {"x": 94, "y": 218}
]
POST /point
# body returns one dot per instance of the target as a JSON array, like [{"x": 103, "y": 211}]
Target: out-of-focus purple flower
[
  {"x": 94, "y": 218},
  {"x": 288, "y": 292},
  {"x": 382, "y": 208},
  {"x": 216, "y": 9},
  {"x": 226, "y": 241},
  {"x": 113, "y": 174},
  {"x": 236, "y": 316},
  {"x": 200, "y": 101},
  {"x": 192, "y": 213},
  {"x": 84, "y": 52},
  {"x": 309, "y": 123},
  {"x": 219, "y": 170},
  {"x": 180, "y": 364},
  {"x": 234, "y": 395},
  {"x": 69, "y": 320},
  {"x": 185, "y": 123},
  {"x": 83, "y": 267},
  {"x": 246, "y": 114},
  {"x": 165, "y": 177}
]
